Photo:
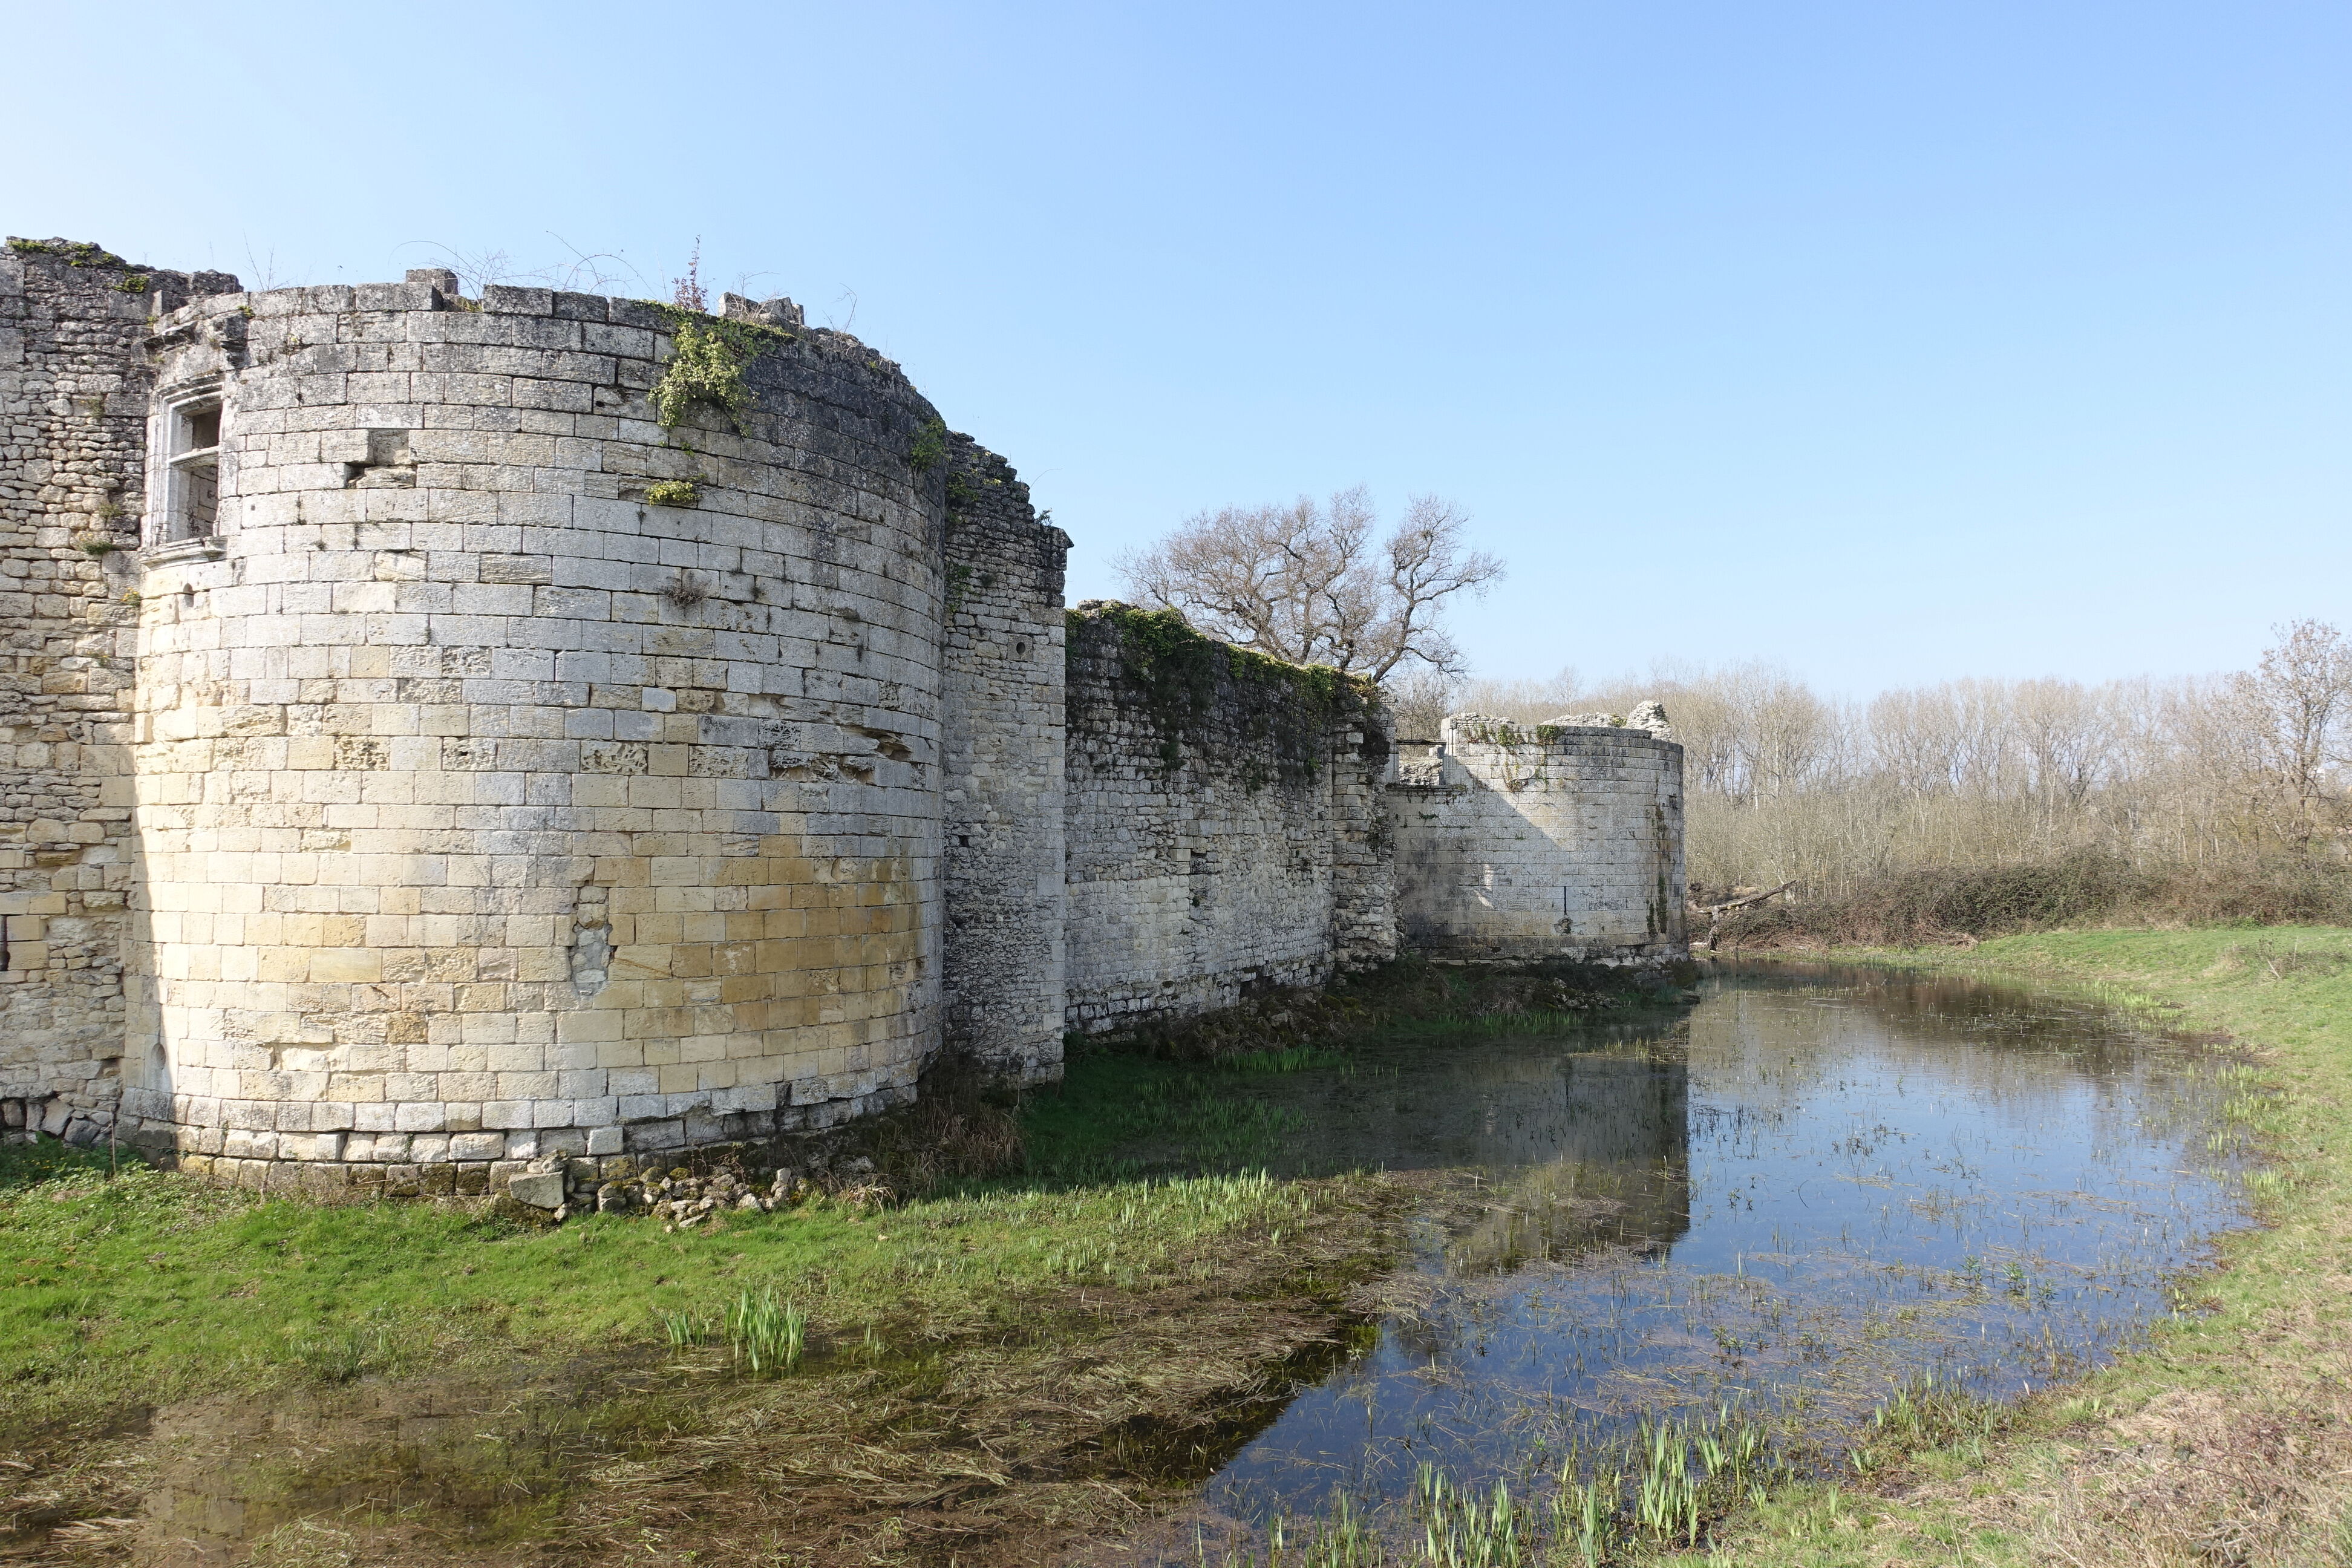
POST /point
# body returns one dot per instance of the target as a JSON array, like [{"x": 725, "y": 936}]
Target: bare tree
[
  {"x": 2297, "y": 707},
  {"x": 2220, "y": 775},
  {"x": 1309, "y": 583},
  {"x": 1419, "y": 700}
]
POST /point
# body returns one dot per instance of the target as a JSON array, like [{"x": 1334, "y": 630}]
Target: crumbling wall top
[{"x": 1648, "y": 719}]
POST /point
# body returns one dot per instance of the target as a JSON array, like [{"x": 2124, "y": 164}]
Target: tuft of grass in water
[
  {"x": 768, "y": 1335},
  {"x": 304, "y": 1544},
  {"x": 345, "y": 1352},
  {"x": 1922, "y": 1415},
  {"x": 1665, "y": 1488},
  {"x": 683, "y": 1328}
]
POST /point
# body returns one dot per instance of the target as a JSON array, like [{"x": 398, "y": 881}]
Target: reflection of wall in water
[
  {"x": 1578, "y": 1140},
  {"x": 1611, "y": 1170}
]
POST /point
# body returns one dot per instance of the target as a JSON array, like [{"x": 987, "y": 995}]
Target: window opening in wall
[{"x": 193, "y": 493}]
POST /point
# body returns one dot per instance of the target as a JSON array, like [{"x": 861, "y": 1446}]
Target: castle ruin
[{"x": 441, "y": 734}]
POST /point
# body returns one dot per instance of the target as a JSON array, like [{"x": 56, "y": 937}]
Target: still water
[
  {"x": 1814, "y": 1188},
  {"x": 1806, "y": 1191}
]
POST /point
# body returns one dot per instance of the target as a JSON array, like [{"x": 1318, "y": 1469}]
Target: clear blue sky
[{"x": 1887, "y": 341}]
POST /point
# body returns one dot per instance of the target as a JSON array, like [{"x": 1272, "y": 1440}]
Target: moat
[
  {"x": 1804, "y": 1192},
  {"x": 1817, "y": 1189}
]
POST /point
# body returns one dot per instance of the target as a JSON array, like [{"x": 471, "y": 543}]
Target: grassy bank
[
  {"x": 2227, "y": 1441},
  {"x": 995, "y": 1366},
  {"x": 969, "y": 1356}
]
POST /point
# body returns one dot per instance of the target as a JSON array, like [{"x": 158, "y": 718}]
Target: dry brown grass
[
  {"x": 1961, "y": 905},
  {"x": 2253, "y": 1473}
]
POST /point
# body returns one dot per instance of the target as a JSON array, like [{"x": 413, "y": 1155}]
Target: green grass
[
  {"x": 151, "y": 1286},
  {"x": 155, "y": 1285},
  {"x": 1119, "y": 1114}
]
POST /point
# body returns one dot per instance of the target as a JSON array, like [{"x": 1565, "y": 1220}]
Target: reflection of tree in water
[
  {"x": 1783, "y": 1037},
  {"x": 1581, "y": 1152}
]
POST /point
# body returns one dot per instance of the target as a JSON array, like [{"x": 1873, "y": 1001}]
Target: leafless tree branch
[{"x": 1310, "y": 582}]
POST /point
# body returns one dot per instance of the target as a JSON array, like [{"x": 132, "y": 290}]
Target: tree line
[
  {"x": 1784, "y": 785},
  {"x": 2167, "y": 790}
]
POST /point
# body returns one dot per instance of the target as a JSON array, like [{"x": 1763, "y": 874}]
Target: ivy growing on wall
[
  {"x": 1503, "y": 733},
  {"x": 709, "y": 356},
  {"x": 1496, "y": 731},
  {"x": 1285, "y": 712}
]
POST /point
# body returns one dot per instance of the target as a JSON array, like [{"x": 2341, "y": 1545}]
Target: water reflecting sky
[{"x": 1810, "y": 1189}]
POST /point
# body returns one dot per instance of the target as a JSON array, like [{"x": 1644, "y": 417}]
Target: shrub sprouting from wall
[
  {"x": 1275, "y": 717},
  {"x": 708, "y": 357}
]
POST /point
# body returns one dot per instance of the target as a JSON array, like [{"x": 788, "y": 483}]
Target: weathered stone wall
[
  {"x": 1524, "y": 841},
  {"x": 73, "y": 413},
  {"x": 1001, "y": 994},
  {"x": 490, "y": 810},
  {"x": 1224, "y": 823},
  {"x": 487, "y": 773}
]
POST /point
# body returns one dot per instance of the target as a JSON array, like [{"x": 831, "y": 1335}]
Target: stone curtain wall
[
  {"x": 492, "y": 811},
  {"x": 73, "y": 412},
  {"x": 508, "y": 776},
  {"x": 1224, "y": 827},
  {"x": 1528, "y": 841},
  {"x": 1001, "y": 994}
]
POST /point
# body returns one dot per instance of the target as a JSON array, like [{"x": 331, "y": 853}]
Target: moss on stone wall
[
  {"x": 73, "y": 252},
  {"x": 1503, "y": 733},
  {"x": 1286, "y": 712},
  {"x": 930, "y": 444}
]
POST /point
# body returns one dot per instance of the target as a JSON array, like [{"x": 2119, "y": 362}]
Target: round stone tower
[
  {"x": 536, "y": 747},
  {"x": 1528, "y": 840}
]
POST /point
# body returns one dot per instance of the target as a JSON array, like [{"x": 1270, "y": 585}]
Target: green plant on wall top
[
  {"x": 1286, "y": 710},
  {"x": 709, "y": 356},
  {"x": 73, "y": 252},
  {"x": 931, "y": 446}
]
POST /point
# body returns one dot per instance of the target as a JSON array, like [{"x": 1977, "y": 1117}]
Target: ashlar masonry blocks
[
  {"x": 1527, "y": 841},
  {"x": 484, "y": 802},
  {"x": 421, "y": 760}
]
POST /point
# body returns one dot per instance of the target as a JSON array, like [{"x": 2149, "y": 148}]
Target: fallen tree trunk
[{"x": 1715, "y": 912}]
